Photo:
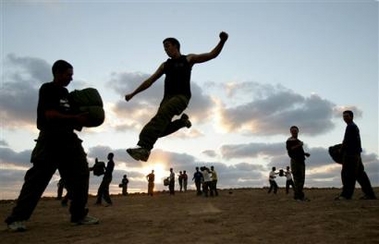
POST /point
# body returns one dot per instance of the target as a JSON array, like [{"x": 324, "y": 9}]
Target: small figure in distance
[{"x": 272, "y": 181}]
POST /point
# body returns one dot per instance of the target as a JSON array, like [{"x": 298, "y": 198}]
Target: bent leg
[{"x": 161, "y": 125}]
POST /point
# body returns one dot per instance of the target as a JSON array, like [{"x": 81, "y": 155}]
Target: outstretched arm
[
  {"x": 147, "y": 83},
  {"x": 204, "y": 57}
]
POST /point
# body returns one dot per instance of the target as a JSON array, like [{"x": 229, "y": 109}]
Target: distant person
[
  {"x": 296, "y": 152},
  {"x": 103, "y": 191},
  {"x": 289, "y": 181},
  {"x": 64, "y": 199},
  {"x": 61, "y": 187},
  {"x": 180, "y": 181},
  {"x": 198, "y": 179},
  {"x": 352, "y": 166},
  {"x": 207, "y": 181},
  {"x": 177, "y": 94},
  {"x": 58, "y": 147},
  {"x": 272, "y": 181},
  {"x": 171, "y": 185},
  {"x": 214, "y": 177},
  {"x": 124, "y": 185},
  {"x": 150, "y": 179},
  {"x": 185, "y": 180}
]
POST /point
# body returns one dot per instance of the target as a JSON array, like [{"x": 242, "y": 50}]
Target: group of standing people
[
  {"x": 205, "y": 181},
  {"x": 350, "y": 157},
  {"x": 182, "y": 179}
]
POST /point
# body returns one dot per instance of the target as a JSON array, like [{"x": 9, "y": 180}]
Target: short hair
[
  {"x": 60, "y": 66},
  {"x": 349, "y": 112},
  {"x": 294, "y": 127},
  {"x": 173, "y": 41}
]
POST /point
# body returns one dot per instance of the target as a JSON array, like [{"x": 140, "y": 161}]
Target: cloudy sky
[{"x": 286, "y": 63}]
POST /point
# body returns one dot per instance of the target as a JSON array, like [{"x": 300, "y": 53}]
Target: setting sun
[{"x": 160, "y": 171}]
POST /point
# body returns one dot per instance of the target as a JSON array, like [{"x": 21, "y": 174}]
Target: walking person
[
  {"x": 296, "y": 152},
  {"x": 177, "y": 94},
  {"x": 150, "y": 186},
  {"x": 272, "y": 181},
  {"x": 352, "y": 166},
  {"x": 57, "y": 147},
  {"x": 103, "y": 191},
  {"x": 289, "y": 181}
]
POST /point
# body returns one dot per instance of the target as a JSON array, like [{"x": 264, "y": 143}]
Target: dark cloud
[
  {"x": 22, "y": 79},
  {"x": 271, "y": 110},
  {"x": 3, "y": 143},
  {"x": 9, "y": 156},
  {"x": 210, "y": 153},
  {"x": 19, "y": 93}
]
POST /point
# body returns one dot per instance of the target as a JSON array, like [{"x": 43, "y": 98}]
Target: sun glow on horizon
[{"x": 160, "y": 171}]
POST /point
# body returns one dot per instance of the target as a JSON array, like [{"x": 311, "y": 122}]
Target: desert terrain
[{"x": 235, "y": 216}]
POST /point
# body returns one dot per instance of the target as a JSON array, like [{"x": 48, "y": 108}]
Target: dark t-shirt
[
  {"x": 178, "y": 76},
  {"x": 197, "y": 176},
  {"x": 109, "y": 169},
  {"x": 296, "y": 154},
  {"x": 352, "y": 140},
  {"x": 53, "y": 97}
]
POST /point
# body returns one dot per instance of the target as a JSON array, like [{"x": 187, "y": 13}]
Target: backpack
[
  {"x": 88, "y": 100},
  {"x": 98, "y": 168},
  {"x": 335, "y": 153}
]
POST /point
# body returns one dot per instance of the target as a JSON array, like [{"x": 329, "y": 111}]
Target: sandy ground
[{"x": 235, "y": 216}]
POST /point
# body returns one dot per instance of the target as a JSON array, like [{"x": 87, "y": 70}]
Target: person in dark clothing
[
  {"x": 177, "y": 94},
  {"x": 171, "y": 185},
  {"x": 60, "y": 189},
  {"x": 103, "y": 191},
  {"x": 185, "y": 180},
  {"x": 352, "y": 166},
  {"x": 198, "y": 178},
  {"x": 61, "y": 186},
  {"x": 124, "y": 185},
  {"x": 180, "y": 181},
  {"x": 296, "y": 152},
  {"x": 57, "y": 147}
]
